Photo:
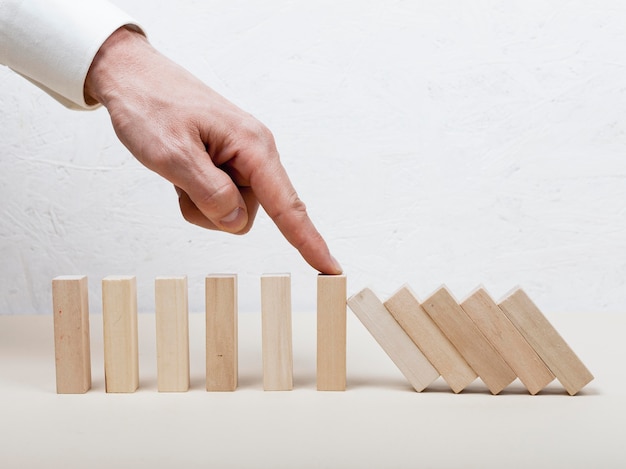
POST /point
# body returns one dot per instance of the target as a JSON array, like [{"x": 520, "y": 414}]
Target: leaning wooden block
[
  {"x": 468, "y": 340},
  {"x": 392, "y": 338},
  {"x": 546, "y": 341},
  {"x": 119, "y": 314},
  {"x": 172, "y": 331},
  {"x": 71, "y": 334},
  {"x": 276, "y": 332},
  {"x": 507, "y": 340},
  {"x": 406, "y": 309},
  {"x": 221, "y": 333},
  {"x": 331, "y": 332}
]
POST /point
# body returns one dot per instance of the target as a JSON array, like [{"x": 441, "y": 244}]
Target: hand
[{"x": 222, "y": 161}]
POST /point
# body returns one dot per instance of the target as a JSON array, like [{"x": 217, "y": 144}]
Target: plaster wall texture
[{"x": 451, "y": 142}]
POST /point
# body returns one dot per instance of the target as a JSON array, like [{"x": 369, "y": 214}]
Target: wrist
[{"x": 115, "y": 58}]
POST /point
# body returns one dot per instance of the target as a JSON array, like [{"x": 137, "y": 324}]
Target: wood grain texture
[
  {"x": 406, "y": 309},
  {"x": 507, "y": 340},
  {"x": 331, "y": 332},
  {"x": 276, "y": 332},
  {"x": 71, "y": 334},
  {"x": 172, "y": 333},
  {"x": 393, "y": 340},
  {"x": 468, "y": 340},
  {"x": 547, "y": 342},
  {"x": 119, "y": 314},
  {"x": 221, "y": 333}
]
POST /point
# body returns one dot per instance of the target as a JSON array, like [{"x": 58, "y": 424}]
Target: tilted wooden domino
[
  {"x": 71, "y": 334},
  {"x": 276, "y": 332},
  {"x": 172, "y": 331},
  {"x": 221, "y": 332},
  {"x": 507, "y": 340},
  {"x": 468, "y": 340},
  {"x": 393, "y": 340},
  {"x": 406, "y": 309},
  {"x": 119, "y": 314},
  {"x": 331, "y": 332},
  {"x": 546, "y": 341}
]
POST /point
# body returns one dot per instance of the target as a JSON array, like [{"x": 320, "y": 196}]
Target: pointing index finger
[{"x": 278, "y": 197}]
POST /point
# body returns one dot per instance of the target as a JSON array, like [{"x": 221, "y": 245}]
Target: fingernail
[
  {"x": 337, "y": 265},
  {"x": 234, "y": 220}
]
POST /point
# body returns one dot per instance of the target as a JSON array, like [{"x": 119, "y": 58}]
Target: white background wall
[{"x": 433, "y": 142}]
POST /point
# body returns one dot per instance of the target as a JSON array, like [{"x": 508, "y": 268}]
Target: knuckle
[
  {"x": 293, "y": 216},
  {"x": 294, "y": 207},
  {"x": 256, "y": 134}
]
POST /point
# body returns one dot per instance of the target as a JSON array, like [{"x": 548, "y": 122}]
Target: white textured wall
[{"x": 433, "y": 142}]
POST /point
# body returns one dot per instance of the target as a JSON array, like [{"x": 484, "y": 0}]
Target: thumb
[{"x": 217, "y": 197}]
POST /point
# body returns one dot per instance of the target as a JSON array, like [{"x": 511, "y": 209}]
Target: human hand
[{"x": 222, "y": 161}]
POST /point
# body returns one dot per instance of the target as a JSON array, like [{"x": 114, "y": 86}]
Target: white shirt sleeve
[{"x": 53, "y": 42}]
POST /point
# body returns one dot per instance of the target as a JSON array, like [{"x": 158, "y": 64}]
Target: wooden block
[
  {"x": 119, "y": 313},
  {"x": 392, "y": 338},
  {"x": 331, "y": 332},
  {"x": 276, "y": 332},
  {"x": 420, "y": 327},
  {"x": 468, "y": 340},
  {"x": 221, "y": 332},
  {"x": 546, "y": 341},
  {"x": 71, "y": 334},
  {"x": 507, "y": 340},
  {"x": 172, "y": 331}
]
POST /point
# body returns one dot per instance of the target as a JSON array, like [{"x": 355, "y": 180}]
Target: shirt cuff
[{"x": 53, "y": 42}]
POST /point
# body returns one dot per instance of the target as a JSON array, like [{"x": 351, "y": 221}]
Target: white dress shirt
[{"x": 53, "y": 42}]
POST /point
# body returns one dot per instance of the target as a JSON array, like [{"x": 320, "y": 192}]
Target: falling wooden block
[
  {"x": 276, "y": 332},
  {"x": 468, "y": 340},
  {"x": 221, "y": 332},
  {"x": 393, "y": 340},
  {"x": 420, "y": 327},
  {"x": 172, "y": 331},
  {"x": 546, "y": 341},
  {"x": 71, "y": 334},
  {"x": 119, "y": 314},
  {"x": 507, "y": 340},
  {"x": 331, "y": 332}
]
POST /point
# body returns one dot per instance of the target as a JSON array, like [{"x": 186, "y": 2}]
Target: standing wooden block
[
  {"x": 221, "y": 332},
  {"x": 276, "y": 326},
  {"x": 331, "y": 332},
  {"x": 468, "y": 340},
  {"x": 71, "y": 334},
  {"x": 119, "y": 313},
  {"x": 419, "y": 326},
  {"x": 546, "y": 341},
  {"x": 172, "y": 331},
  {"x": 508, "y": 341},
  {"x": 392, "y": 338}
]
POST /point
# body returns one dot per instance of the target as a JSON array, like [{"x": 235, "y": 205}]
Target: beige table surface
[{"x": 380, "y": 422}]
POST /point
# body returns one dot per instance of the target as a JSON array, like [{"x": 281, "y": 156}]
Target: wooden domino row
[
  {"x": 119, "y": 313},
  {"x": 476, "y": 338}
]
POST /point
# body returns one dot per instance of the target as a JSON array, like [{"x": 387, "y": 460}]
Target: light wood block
[
  {"x": 546, "y": 341},
  {"x": 406, "y": 309},
  {"x": 276, "y": 332},
  {"x": 331, "y": 332},
  {"x": 507, "y": 340},
  {"x": 468, "y": 340},
  {"x": 71, "y": 334},
  {"x": 119, "y": 314},
  {"x": 393, "y": 340},
  {"x": 221, "y": 333},
  {"x": 172, "y": 332}
]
